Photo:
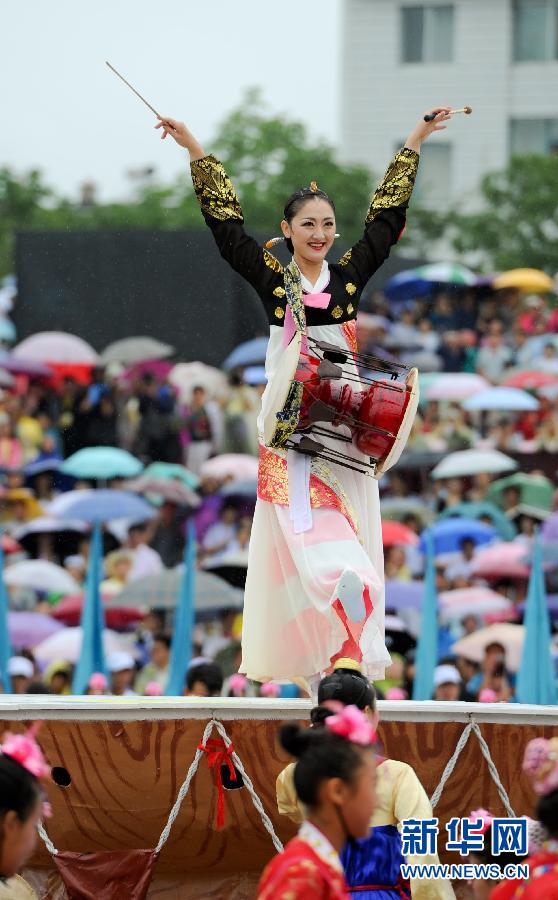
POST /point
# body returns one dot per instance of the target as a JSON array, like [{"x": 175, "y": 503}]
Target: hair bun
[
  {"x": 318, "y": 714},
  {"x": 294, "y": 739}
]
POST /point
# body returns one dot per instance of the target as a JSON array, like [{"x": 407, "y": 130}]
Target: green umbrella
[
  {"x": 103, "y": 463},
  {"x": 170, "y": 471},
  {"x": 479, "y": 511},
  {"x": 447, "y": 273},
  {"x": 535, "y": 491}
]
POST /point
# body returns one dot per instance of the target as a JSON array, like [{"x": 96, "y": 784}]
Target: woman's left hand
[{"x": 423, "y": 129}]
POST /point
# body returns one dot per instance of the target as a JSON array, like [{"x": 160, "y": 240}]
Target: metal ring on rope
[{"x": 452, "y": 762}]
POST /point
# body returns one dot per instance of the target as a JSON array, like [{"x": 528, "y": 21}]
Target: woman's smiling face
[{"x": 311, "y": 230}]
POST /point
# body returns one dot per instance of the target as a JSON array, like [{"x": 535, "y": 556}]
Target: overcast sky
[{"x": 65, "y": 112}]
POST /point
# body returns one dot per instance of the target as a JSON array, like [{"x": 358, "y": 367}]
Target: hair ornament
[
  {"x": 24, "y": 749},
  {"x": 98, "y": 682},
  {"x": 314, "y": 187},
  {"x": 540, "y": 764},
  {"x": 270, "y": 689},
  {"x": 485, "y": 817},
  {"x": 349, "y": 723},
  {"x": 238, "y": 684}
]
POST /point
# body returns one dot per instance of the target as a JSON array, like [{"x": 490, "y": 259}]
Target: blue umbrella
[
  {"x": 406, "y": 285},
  {"x": 404, "y": 594},
  {"x": 482, "y": 509},
  {"x": 255, "y": 375},
  {"x": 181, "y": 647},
  {"x": 448, "y": 534},
  {"x": 92, "y": 656},
  {"x": 504, "y": 399},
  {"x": 103, "y": 463},
  {"x": 248, "y": 354},
  {"x": 101, "y": 506},
  {"x": 427, "y": 647},
  {"x": 535, "y": 677},
  {"x": 5, "y": 645}
]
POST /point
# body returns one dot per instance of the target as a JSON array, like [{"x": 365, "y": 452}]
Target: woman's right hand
[{"x": 182, "y": 135}]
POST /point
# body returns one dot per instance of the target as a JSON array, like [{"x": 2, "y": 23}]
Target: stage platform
[{"x": 126, "y": 759}]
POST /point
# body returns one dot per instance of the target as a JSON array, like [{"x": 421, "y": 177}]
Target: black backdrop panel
[{"x": 106, "y": 285}]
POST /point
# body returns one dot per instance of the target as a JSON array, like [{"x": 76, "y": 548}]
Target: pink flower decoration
[
  {"x": 98, "y": 682},
  {"x": 484, "y": 815},
  {"x": 238, "y": 684},
  {"x": 396, "y": 693},
  {"x": 25, "y": 750},
  {"x": 540, "y": 764},
  {"x": 153, "y": 689},
  {"x": 269, "y": 689},
  {"x": 350, "y": 723}
]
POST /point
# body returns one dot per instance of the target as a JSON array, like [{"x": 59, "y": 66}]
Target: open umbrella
[
  {"x": 510, "y": 636},
  {"x": 448, "y": 534},
  {"x": 56, "y": 347},
  {"x": 476, "y": 601},
  {"x": 404, "y": 594},
  {"x": 530, "y": 380},
  {"x": 66, "y": 645},
  {"x": 397, "y": 508},
  {"x": 231, "y": 567},
  {"x": 455, "y": 386},
  {"x": 240, "y": 488},
  {"x": 161, "y": 591},
  {"x": 505, "y": 399},
  {"x": 50, "y": 525},
  {"x": 394, "y": 533},
  {"x": 251, "y": 353},
  {"x": 504, "y": 560},
  {"x": 237, "y": 466},
  {"x": 186, "y": 376},
  {"x": 424, "y": 279},
  {"x": 534, "y": 490},
  {"x": 172, "y": 472},
  {"x": 40, "y": 575},
  {"x": 463, "y": 463},
  {"x": 157, "y": 489},
  {"x": 101, "y": 506},
  {"x": 255, "y": 375},
  {"x": 27, "y": 629},
  {"x": 135, "y": 350},
  {"x": 69, "y": 611},
  {"x": 30, "y": 367},
  {"x": 482, "y": 510},
  {"x": 549, "y": 531},
  {"x": 103, "y": 463},
  {"x": 529, "y": 281}
]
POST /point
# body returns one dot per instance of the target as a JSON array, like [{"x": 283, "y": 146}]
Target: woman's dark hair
[
  {"x": 295, "y": 203},
  {"x": 209, "y": 674},
  {"x": 547, "y": 812},
  {"x": 321, "y": 755},
  {"x": 347, "y": 686},
  {"x": 19, "y": 789}
]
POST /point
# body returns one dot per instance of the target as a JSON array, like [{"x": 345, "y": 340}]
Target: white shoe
[{"x": 350, "y": 593}]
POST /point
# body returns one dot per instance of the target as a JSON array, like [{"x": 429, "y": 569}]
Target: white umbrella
[
  {"x": 473, "y": 462},
  {"x": 456, "y": 386},
  {"x": 66, "y": 645},
  {"x": 56, "y": 347},
  {"x": 510, "y": 636},
  {"x": 135, "y": 349},
  {"x": 186, "y": 376},
  {"x": 504, "y": 399},
  {"x": 40, "y": 575}
]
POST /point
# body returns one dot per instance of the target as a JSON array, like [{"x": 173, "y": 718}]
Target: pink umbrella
[
  {"x": 56, "y": 347},
  {"x": 530, "y": 381},
  {"x": 27, "y": 629},
  {"x": 456, "y": 386},
  {"x": 476, "y": 601},
  {"x": 505, "y": 559},
  {"x": 238, "y": 466},
  {"x": 159, "y": 368}
]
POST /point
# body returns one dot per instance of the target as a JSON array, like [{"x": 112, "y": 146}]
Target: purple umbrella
[
  {"x": 25, "y": 367},
  {"x": 549, "y": 531},
  {"x": 27, "y": 629},
  {"x": 404, "y": 594}
]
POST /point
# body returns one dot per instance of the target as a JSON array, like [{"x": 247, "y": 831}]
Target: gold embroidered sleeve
[
  {"x": 397, "y": 185},
  {"x": 214, "y": 189}
]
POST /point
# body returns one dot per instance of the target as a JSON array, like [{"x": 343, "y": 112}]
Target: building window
[
  {"x": 533, "y": 136},
  {"x": 535, "y": 30},
  {"x": 434, "y": 178},
  {"x": 426, "y": 34}
]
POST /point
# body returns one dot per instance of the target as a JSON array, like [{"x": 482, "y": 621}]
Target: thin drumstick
[{"x": 137, "y": 93}]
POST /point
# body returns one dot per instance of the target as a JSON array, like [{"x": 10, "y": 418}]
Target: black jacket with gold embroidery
[{"x": 384, "y": 223}]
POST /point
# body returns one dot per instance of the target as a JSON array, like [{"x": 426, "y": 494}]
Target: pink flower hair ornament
[
  {"x": 153, "y": 689},
  {"x": 98, "y": 682},
  {"x": 484, "y": 815},
  {"x": 238, "y": 684},
  {"x": 24, "y": 749},
  {"x": 350, "y": 723},
  {"x": 540, "y": 764},
  {"x": 270, "y": 689}
]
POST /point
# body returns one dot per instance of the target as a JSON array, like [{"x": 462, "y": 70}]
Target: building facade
[{"x": 401, "y": 57}]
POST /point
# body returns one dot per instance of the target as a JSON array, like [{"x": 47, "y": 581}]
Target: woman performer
[
  {"x": 314, "y": 590},
  {"x": 372, "y": 865},
  {"x": 335, "y": 777}
]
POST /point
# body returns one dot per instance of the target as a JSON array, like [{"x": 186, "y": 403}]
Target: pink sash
[{"x": 317, "y": 301}]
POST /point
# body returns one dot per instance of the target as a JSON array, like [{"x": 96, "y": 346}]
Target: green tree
[{"x": 518, "y": 225}]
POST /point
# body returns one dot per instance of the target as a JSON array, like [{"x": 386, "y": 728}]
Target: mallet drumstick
[{"x": 466, "y": 109}]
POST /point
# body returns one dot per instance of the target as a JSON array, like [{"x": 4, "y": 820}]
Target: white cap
[
  {"x": 76, "y": 561},
  {"x": 446, "y": 675},
  {"x": 20, "y": 665},
  {"x": 119, "y": 661}
]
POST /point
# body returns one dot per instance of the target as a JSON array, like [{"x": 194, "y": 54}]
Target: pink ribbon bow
[{"x": 316, "y": 301}]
